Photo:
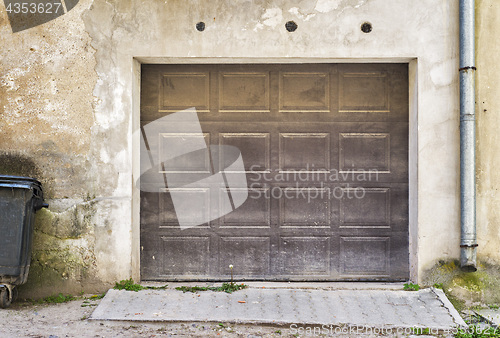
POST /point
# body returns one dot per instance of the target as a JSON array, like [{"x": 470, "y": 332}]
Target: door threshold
[{"x": 292, "y": 285}]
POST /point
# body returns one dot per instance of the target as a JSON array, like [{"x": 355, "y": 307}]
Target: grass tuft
[
  {"x": 55, "y": 299},
  {"x": 230, "y": 287},
  {"x": 226, "y": 287},
  {"x": 129, "y": 285},
  {"x": 411, "y": 287}
]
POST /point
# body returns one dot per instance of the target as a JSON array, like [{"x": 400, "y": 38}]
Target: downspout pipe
[{"x": 468, "y": 239}]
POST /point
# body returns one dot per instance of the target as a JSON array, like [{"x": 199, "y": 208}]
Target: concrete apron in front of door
[{"x": 362, "y": 306}]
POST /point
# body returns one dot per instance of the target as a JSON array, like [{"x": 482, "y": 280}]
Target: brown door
[{"x": 325, "y": 150}]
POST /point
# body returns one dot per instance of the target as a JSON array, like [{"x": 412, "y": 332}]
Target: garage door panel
[
  {"x": 305, "y": 255},
  {"x": 376, "y": 85},
  {"x": 362, "y": 256},
  {"x": 198, "y": 200},
  {"x": 180, "y": 91},
  {"x": 185, "y": 255},
  {"x": 399, "y": 248},
  {"x": 149, "y": 208},
  {"x": 244, "y": 91},
  {"x": 255, "y": 212},
  {"x": 254, "y": 147},
  {"x": 373, "y": 92},
  {"x": 149, "y": 92},
  {"x": 197, "y": 160},
  {"x": 365, "y": 207},
  {"x": 399, "y": 207},
  {"x": 379, "y": 149},
  {"x": 151, "y": 268},
  {"x": 304, "y": 92},
  {"x": 250, "y": 256},
  {"x": 365, "y": 151},
  {"x": 376, "y": 206},
  {"x": 398, "y": 92},
  {"x": 304, "y": 207},
  {"x": 166, "y": 211},
  {"x": 325, "y": 152},
  {"x": 364, "y": 92},
  {"x": 304, "y": 151}
]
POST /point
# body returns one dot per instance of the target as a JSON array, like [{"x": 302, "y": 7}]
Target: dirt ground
[
  {"x": 26, "y": 319},
  {"x": 70, "y": 319}
]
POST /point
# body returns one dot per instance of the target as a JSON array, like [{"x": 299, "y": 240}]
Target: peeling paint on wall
[
  {"x": 272, "y": 17},
  {"x": 66, "y": 111},
  {"x": 300, "y": 15},
  {"x": 327, "y": 6}
]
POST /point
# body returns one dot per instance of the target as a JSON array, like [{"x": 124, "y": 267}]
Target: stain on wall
[
  {"x": 67, "y": 98},
  {"x": 46, "y": 116},
  {"x": 487, "y": 135}
]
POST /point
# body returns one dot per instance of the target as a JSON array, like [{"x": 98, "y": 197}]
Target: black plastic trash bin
[{"x": 20, "y": 198}]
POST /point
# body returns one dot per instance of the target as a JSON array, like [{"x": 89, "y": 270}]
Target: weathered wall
[
  {"x": 69, "y": 110},
  {"x": 47, "y": 128},
  {"x": 488, "y": 122},
  {"x": 327, "y": 29}
]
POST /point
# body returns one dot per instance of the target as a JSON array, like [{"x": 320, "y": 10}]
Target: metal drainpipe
[{"x": 468, "y": 244}]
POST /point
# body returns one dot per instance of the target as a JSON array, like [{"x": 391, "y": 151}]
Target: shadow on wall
[
  {"x": 18, "y": 165},
  {"x": 57, "y": 265}
]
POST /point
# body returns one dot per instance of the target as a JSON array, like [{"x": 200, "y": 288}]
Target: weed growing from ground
[
  {"x": 129, "y": 285},
  {"x": 54, "y": 299},
  {"x": 226, "y": 287},
  {"x": 411, "y": 287},
  {"x": 96, "y": 297}
]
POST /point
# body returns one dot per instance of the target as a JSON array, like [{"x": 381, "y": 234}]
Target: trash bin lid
[{"x": 18, "y": 181}]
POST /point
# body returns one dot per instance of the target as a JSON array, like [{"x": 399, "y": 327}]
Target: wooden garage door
[{"x": 325, "y": 148}]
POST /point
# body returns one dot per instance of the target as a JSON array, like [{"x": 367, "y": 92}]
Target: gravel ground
[{"x": 24, "y": 319}]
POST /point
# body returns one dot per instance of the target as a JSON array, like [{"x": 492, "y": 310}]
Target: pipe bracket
[
  {"x": 469, "y": 245},
  {"x": 467, "y": 117}
]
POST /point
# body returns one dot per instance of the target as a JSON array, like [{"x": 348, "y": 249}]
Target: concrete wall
[
  {"x": 488, "y": 122},
  {"x": 69, "y": 94},
  {"x": 46, "y": 119}
]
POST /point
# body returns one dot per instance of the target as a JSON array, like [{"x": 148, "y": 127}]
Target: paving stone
[
  {"x": 368, "y": 308},
  {"x": 491, "y": 315}
]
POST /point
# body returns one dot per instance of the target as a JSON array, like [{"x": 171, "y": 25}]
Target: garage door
[{"x": 325, "y": 152}]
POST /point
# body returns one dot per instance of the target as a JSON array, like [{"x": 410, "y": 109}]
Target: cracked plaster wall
[
  {"x": 67, "y": 103},
  {"x": 164, "y": 31},
  {"x": 488, "y": 122}
]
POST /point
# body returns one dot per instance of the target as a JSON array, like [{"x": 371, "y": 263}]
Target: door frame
[{"x": 412, "y": 134}]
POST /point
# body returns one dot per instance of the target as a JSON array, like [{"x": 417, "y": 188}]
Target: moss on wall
[
  {"x": 63, "y": 258},
  {"x": 74, "y": 222},
  {"x": 62, "y": 254},
  {"x": 466, "y": 289},
  {"x": 47, "y": 79},
  {"x": 61, "y": 264}
]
